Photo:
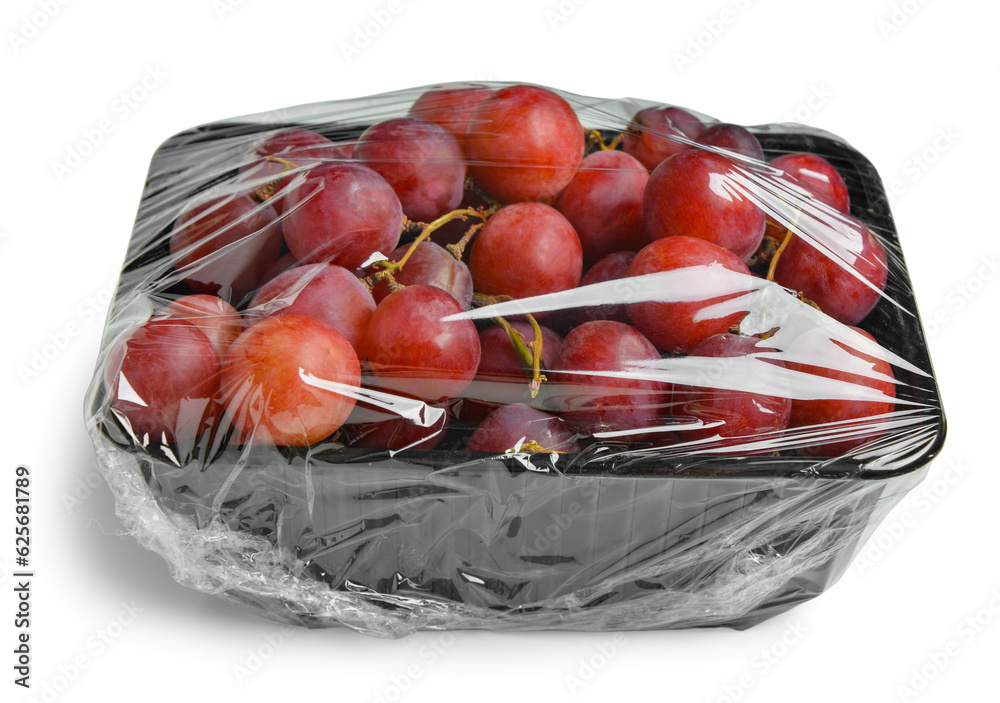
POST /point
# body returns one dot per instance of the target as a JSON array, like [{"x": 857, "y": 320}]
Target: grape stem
[
  {"x": 533, "y": 446},
  {"x": 774, "y": 265},
  {"x": 284, "y": 162},
  {"x": 412, "y": 227},
  {"x": 597, "y": 138},
  {"x": 383, "y": 275},
  {"x": 530, "y": 355},
  {"x": 458, "y": 248},
  {"x": 470, "y": 184},
  {"x": 429, "y": 229},
  {"x": 264, "y": 192},
  {"x": 777, "y": 255}
]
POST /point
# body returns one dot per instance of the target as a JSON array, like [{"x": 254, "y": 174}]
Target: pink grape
[
  {"x": 590, "y": 401},
  {"x": 524, "y": 143},
  {"x": 289, "y": 380},
  {"x": 331, "y": 294},
  {"x": 524, "y": 250},
  {"x": 420, "y": 160},
  {"x": 509, "y": 425},
  {"x": 450, "y": 108},
  {"x": 163, "y": 379},
  {"x": 224, "y": 245},
  {"x": 217, "y": 319},
  {"x": 649, "y": 136},
  {"x": 412, "y": 350},
  {"x": 603, "y": 202},
  {"x": 701, "y": 194},
  {"x": 687, "y": 317},
  {"x": 342, "y": 214}
]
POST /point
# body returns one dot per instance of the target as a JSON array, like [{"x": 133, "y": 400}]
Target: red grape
[
  {"x": 649, "y": 137},
  {"x": 612, "y": 267},
  {"x": 524, "y": 143},
  {"x": 841, "y": 267},
  {"x": 434, "y": 266},
  {"x": 420, "y": 160},
  {"x": 412, "y": 350},
  {"x": 725, "y": 397},
  {"x": 510, "y": 425},
  {"x": 450, "y": 107},
  {"x": 524, "y": 250},
  {"x": 328, "y": 293},
  {"x": 298, "y": 146},
  {"x": 284, "y": 262},
  {"x": 216, "y": 318},
  {"x": 224, "y": 245},
  {"x": 377, "y": 428},
  {"x": 695, "y": 295},
  {"x": 702, "y": 194},
  {"x": 303, "y": 143},
  {"x": 603, "y": 202},
  {"x": 733, "y": 138},
  {"x": 846, "y": 414},
  {"x": 341, "y": 215},
  {"x": 290, "y": 381},
  {"x": 817, "y": 176},
  {"x": 162, "y": 381},
  {"x": 592, "y": 402}
]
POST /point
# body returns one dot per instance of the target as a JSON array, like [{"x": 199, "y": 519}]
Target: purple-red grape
[
  {"x": 524, "y": 250},
  {"x": 848, "y": 421},
  {"x": 501, "y": 378},
  {"x": 450, "y": 108},
  {"x": 411, "y": 349},
  {"x": 603, "y": 202},
  {"x": 289, "y": 380},
  {"x": 223, "y": 245},
  {"x": 612, "y": 267},
  {"x": 732, "y": 138},
  {"x": 342, "y": 214},
  {"x": 702, "y": 194},
  {"x": 510, "y": 425},
  {"x": 331, "y": 294},
  {"x": 845, "y": 281},
  {"x": 420, "y": 160},
  {"x": 216, "y": 318},
  {"x": 744, "y": 415},
  {"x": 649, "y": 138},
  {"x": 818, "y": 176},
  {"x": 625, "y": 399},
  {"x": 524, "y": 143},
  {"x": 300, "y": 147},
  {"x": 689, "y": 305},
  {"x": 162, "y": 381}
]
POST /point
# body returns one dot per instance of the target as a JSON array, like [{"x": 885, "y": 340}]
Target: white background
[{"x": 890, "y": 76}]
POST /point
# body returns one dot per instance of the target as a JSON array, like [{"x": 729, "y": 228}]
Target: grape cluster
[{"x": 486, "y": 268}]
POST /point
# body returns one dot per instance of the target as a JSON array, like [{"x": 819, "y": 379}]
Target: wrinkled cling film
[{"x": 679, "y": 521}]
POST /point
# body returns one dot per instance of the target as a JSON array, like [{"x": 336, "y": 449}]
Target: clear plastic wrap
[{"x": 695, "y": 438}]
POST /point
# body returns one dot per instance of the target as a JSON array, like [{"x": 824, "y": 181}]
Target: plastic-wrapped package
[{"x": 498, "y": 356}]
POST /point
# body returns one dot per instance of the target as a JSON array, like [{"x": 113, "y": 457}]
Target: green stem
[{"x": 530, "y": 355}]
